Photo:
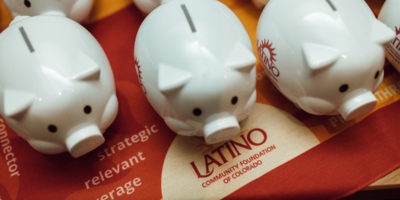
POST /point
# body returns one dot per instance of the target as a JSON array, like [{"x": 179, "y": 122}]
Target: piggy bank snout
[
  {"x": 357, "y": 104},
  {"x": 221, "y": 129},
  {"x": 84, "y": 140}
]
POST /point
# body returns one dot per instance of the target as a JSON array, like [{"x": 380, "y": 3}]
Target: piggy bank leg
[
  {"x": 47, "y": 147},
  {"x": 180, "y": 127},
  {"x": 110, "y": 112},
  {"x": 315, "y": 105}
]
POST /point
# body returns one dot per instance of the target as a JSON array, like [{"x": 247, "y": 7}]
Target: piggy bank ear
[
  {"x": 241, "y": 58},
  {"x": 88, "y": 69},
  {"x": 381, "y": 33},
  {"x": 319, "y": 56},
  {"x": 171, "y": 78},
  {"x": 16, "y": 102}
]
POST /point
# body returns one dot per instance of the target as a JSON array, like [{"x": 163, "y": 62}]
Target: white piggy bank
[
  {"x": 77, "y": 10},
  {"x": 196, "y": 65},
  {"x": 56, "y": 85},
  {"x": 390, "y": 15},
  {"x": 326, "y": 56}
]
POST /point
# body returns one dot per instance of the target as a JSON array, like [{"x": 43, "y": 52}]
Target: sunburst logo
[
  {"x": 139, "y": 74},
  {"x": 396, "y": 42},
  {"x": 268, "y": 57}
]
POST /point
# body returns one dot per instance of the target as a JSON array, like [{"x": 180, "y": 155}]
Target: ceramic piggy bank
[
  {"x": 197, "y": 68},
  {"x": 56, "y": 85},
  {"x": 390, "y": 15},
  {"x": 77, "y": 10},
  {"x": 326, "y": 56}
]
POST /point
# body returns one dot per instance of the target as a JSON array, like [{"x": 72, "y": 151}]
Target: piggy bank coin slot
[
  {"x": 26, "y": 39},
  {"x": 27, "y": 3},
  {"x": 188, "y": 18},
  {"x": 331, "y": 5}
]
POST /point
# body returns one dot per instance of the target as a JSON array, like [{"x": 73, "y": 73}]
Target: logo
[
  {"x": 139, "y": 74},
  {"x": 396, "y": 41},
  {"x": 215, "y": 171},
  {"x": 217, "y": 157},
  {"x": 268, "y": 57}
]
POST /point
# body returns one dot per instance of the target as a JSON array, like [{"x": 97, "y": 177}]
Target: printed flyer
[{"x": 280, "y": 153}]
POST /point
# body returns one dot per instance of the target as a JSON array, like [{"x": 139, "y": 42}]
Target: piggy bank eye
[
  {"x": 52, "y": 128},
  {"x": 87, "y": 109},
  {"x": 234, "y": 100},
  {"x": 196, "y": 112},
  {"x": 27, "y": 3},
  {"x": 343, "y": 88},
  {"x": 377, "y": 74}
]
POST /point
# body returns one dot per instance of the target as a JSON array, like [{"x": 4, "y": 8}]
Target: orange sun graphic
[
  {"x": 267, "y": 45},
  {"x": 268, "y": 57}
]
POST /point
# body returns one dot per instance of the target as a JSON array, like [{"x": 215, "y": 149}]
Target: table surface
[{"x": 391, "y": 180}]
